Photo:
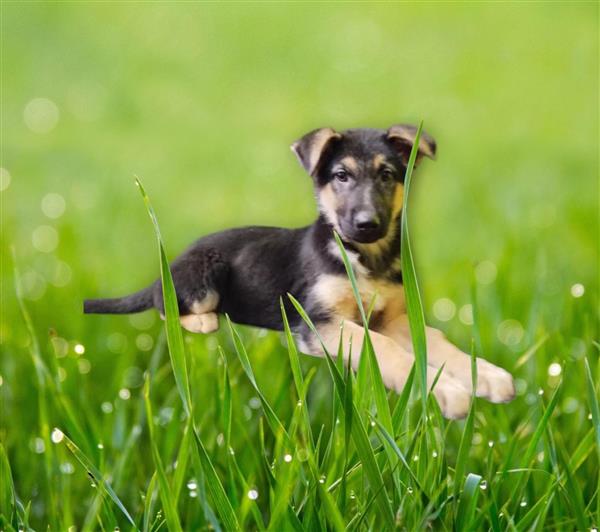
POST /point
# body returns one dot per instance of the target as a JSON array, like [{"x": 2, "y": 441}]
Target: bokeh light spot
[
  {"x": 41, "y": 115},
  {"x": 444, "y": 309},
  {"x": 4, "y": 179},
  {"x": 45, "y": 238},
  {"x": 53, "y": 205}
]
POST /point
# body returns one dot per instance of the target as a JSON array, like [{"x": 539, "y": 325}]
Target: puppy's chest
[{"x": 334, "y": 294}]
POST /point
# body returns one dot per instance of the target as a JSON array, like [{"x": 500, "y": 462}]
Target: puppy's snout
[{"x": 366, "y": 221}]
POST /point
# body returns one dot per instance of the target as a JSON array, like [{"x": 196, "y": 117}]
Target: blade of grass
[
  {"x": 95, "y": 474},
  {"x": 179, "y": 366},
  {"x": 359, "y": 434},
  {"x": 468, "y": 503},
  {"x": 414, "y": 306}
]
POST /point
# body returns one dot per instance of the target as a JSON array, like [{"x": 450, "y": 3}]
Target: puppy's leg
[
  {"x": 394, "y": 362},
  {"x": 493, "y": 383},
  {"x": 199, "y": 277}
]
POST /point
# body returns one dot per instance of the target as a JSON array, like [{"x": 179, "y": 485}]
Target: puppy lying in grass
[{"x": 358, "y": 176}]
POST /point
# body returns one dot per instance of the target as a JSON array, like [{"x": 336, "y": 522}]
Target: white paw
[
  {"x": 200, "y": 323},
  {"x": 493, "y": 383},
  {"x": 453, "y": 398}
]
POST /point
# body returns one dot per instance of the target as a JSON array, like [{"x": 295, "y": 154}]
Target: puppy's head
[{"x": 359, "y": 176}]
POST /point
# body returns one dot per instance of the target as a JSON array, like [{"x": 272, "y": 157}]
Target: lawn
[{"x": 201, "y": 102}]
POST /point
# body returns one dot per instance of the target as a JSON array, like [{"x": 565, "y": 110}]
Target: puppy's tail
[{"x": 137, "y": 302}]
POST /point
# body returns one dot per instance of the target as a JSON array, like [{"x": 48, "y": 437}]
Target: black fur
[{"x": 251, "y": 268}]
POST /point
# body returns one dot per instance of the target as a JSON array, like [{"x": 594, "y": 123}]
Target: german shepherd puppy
[{"x": 358, "y": 176}]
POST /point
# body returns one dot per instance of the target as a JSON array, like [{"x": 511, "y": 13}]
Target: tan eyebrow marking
[
  {"x": 379, "y": 160},
  {"x": 350, "y": 163}
]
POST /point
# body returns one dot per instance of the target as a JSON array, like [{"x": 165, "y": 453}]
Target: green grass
[{"x": 203, "y": 101}]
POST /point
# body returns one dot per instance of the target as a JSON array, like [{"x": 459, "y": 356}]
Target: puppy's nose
[{"x": 366, "y": 221}]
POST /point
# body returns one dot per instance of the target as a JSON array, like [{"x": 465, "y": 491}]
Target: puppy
[{"x": 358, "y": 176}]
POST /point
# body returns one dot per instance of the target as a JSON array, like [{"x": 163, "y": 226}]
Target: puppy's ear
[
  {"x": 403, "y": 138},
  {"x": 310, "y": 148}
]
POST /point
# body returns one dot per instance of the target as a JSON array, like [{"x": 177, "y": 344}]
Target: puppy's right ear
[{"x": 310, "y": 148}]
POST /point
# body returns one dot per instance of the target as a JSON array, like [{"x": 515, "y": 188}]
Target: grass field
[{"x": 201, "y": 101}]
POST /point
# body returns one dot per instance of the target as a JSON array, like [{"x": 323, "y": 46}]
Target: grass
[
  {"x": 367, "y": 468},
  {"x": 203, "y": 100}
]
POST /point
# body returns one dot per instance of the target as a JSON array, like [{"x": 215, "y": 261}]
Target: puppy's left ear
[
  {"x": 310, "y": 148},
  {"x": 403, "y": 138}
]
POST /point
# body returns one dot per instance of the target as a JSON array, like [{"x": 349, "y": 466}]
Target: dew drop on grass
[
  {"x": 106, "y": 407},
  {"x": 416, "y": 458},
  {"x": 254, "y": 403},
  {"x": 577, "y": 290},
  {"x": 409, "y": 490},
  {"x": 39, "y": 446},
  {"x": 193, "y": 494},
  {"x": 57, "y": 435},
  {"x": 523, "y": 504},
  {"x": 287, "y": 458},
  {"x": 100, "y": 446},
  {"x": 192, "y": 484},
  {"x": 220, "y": 439},
  {"x": 322, "y": 479},
  {"x": 66, "y": 468},
  {"x": 79, "y": 349},
  {"x": 434, "y": 454},
  {"x": 554, "y": 369},
  {"x": 490, "y": 443},
  {"x": 124, "y": 394},
  {"x": 540, "y": 391},
  {"x": 252, "y": 494},
  {"x": 483, "y": 484}
]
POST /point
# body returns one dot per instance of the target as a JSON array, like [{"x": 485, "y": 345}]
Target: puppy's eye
[
  {"x": 387, "y": 175},
  {"x": 341, "y": 175}
]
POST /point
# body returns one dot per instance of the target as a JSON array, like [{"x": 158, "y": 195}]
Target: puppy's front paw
[
  {"x": 453, "y": 398},
  {"x": 494, "y": 383}
]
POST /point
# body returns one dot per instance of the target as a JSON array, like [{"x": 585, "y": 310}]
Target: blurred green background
[{"x": 202, "y": 101}]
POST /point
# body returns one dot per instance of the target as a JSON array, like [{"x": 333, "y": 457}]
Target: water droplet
[
  {"x": 540, "y": 391},
  {"x": 252, "y": 494},
  {"x": 254, "y": 403},
  {"x": 434, "y": 454},
  {"x": 483, "y": 484},
  {"x": 372, "y": 423},
  {"x": 60, "y": 345},
  {"x": 299, "y": 403},
  {"x": 193, "y": 494},
  {"x": 100, "y": 446},
  {"x": 523, "y": 504},
  {"x": 577, "y": 290},
  {"x": 106, "y": 407},
  {"x": 220, "y": 439},
  {"x": 124, "y": 394},
  {"x": 231, "y": 451},
  {"x": 322, "y": 479},
  {"x": 490, "y": 443},
  {"x": 192, "y": 484},
  {"x": 66, "y": 468},
  {"x": 39, "y": 446},
  {"x": 416, "y": 458},
  {"x": 409, "y": 489},
  {"x": 57, "y": 435},
  {"x": 287, "y": 458},
  {"x": 554, "y": 369}
]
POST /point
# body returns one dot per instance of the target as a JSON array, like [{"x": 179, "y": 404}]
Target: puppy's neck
[{"x": 379, "y": 259}]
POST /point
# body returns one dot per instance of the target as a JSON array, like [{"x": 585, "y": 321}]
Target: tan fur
[
  {"x": 208, "y": 304},
  {"x": 398, "y": 200},
  {"x": 378, "y": 160},
  {"x": 200, "y": 323},
  {"x": 334, "y": 292},
  {"x": 350, "y": 163},
  {"x": 328, "y": 205},
  {"x": 394, "y": 363}
]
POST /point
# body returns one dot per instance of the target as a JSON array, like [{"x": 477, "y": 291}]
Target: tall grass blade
[
  {"x": 414, "y": 306},
  {"x": 179, "y": 366},
  {"x": 95, "y": 474}
]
